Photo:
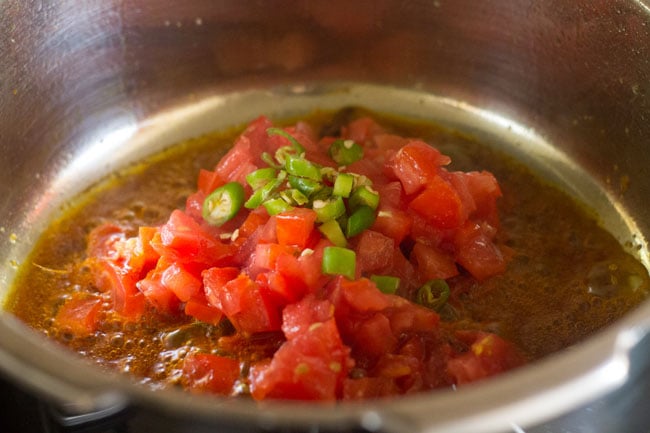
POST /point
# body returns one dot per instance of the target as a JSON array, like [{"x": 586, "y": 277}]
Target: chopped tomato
[
  {"x": 214, "y": 279},
  {"x": 199, "y": 308},
  {"x": 477, "y": 252},
  {"x": 432, "y": 263},
  {"x": 299, "y": 332},
  {"x": 361, "y": 130},
  {"x": 184, "y": 240},
  {"x": 116, "y": 266},
  {"x": 416, "y": 164},
  {"x": 267, "y": 255},
  {"x": 488, "y": 355},
  {"x": 181, "y": 281},
  {"x": 157, "y": 294},
  {"x": 238, "y": 162},
  {"x": 245, "y": 306},
  {"x": 79, "y": 316},
  {"x": 208, "y": 181},
  {"x": 310, "y": 366},
  {"x": 439, "y": 204},
  {"x": 362, "y": 295},
  {"x": 204, "y": 372},
  {"x": 369, "y": 387},
  {"x": 374, "y": 252}
]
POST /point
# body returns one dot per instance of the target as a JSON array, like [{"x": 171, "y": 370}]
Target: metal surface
[{"x": 82, "y": 82}]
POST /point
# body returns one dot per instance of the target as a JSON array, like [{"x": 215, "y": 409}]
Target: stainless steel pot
[{"x": 87, "y": 86}]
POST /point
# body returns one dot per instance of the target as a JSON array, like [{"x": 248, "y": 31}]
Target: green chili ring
[{"x": 223, "y": 203}]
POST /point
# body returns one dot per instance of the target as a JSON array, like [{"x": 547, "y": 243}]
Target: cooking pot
[{"x": 87, "y": 87}]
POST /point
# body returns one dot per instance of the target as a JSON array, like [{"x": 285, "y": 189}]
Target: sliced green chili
[
  {"x": 223, "y": 203},
  {"x": 305, "y": 186},
  {"x": 329, "y": 209},
  {"x": 360, "y": 220},
  {"x": 364, "y": 196},
  {"x": 299, "y": 166},
  {"x": 332, "y": 231},
  {"x": 277, "y": 205},
  {"x": 386, "y": 283},
  {"x": 339, "y": 261},
  {"x": 294, "y": 143},
  {"x": 345, "y": 152},
  {"x": 433, "y": 294},
  {"x": 294, "y": 197},
  {"x": 343, "y": 185},
  {"x": 258, "y": 178},
  {"x": 261, "y": 195}
]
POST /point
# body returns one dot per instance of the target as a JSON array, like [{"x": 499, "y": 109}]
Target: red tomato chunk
[{"x": 262, "y": 269}]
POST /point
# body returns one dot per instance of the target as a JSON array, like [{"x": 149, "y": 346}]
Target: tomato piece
[
  {"x": 298, "y": 317},
  {"x": 294, "y": 227},
  {"x": 431, "y": 263},
  {"x": 208, "y": 181},
  {"x": 255, "y": 219},
  {"x": 180, "y": 281},
  {"x": 369, "y": 387},
  {"x": 182, "y": 239},
  {"x": 407, "y": 317},
  {"x": 214, "y": 279},
  {"x": 267, "y": 255},
  {"x": 477, "y": 253},
  {"x": 156, "y": 292},
  {"x": 204, "y": 372},
  {"x": 144, "y": 250},
  {"x": 199, "y": 308},
  {"x": 80, "y": 316},
  {"x": 127, "y": 299},
  {"x": 361, "y": 130},
  {"x": 241, "y": 300},
  {"x": 238, "y": 161},
  {"x": 374, "y": 252},
  {"x": 416, "y": 164},
  {"x": 370, "y": 337},
  {"x": 361, "y": 295},
  {"x": 488, "y": 355},
  {"x": 310, "y": 366},
  {"x": 439, "y": 204},
  {"x": 485, "y": 191}
]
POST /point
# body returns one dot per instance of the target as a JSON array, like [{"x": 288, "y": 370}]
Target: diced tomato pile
[{"x": 342, "y": 338}]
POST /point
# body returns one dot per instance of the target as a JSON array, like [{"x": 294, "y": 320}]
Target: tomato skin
[{"x": 204, "y": 372}]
